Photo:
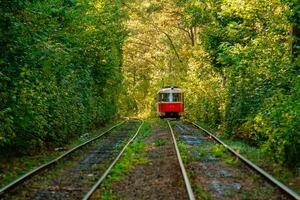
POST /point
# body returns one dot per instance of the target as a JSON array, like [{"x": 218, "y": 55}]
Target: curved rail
[
  {"x": 183, "y": 171},
  {"x": 98, "y": 183},
  {"x": 266, "y": 175},
  {"x": 33, "y": 172}
]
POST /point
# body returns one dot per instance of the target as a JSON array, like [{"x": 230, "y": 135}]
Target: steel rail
[
  {"x": 266, "y": 175},
  {"x": 33, "y": 172},
  {"x": 104, "y": 175},
  {"x": 183, "y": 171}
]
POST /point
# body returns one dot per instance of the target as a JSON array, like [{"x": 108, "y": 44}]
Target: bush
[{"x": 60, "y": 69}]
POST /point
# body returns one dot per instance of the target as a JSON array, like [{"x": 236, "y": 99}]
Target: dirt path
[{"x": 160, "y": 178}]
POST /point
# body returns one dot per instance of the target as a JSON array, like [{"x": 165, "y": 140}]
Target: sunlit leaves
[
  {"x": 235, "y": 67},
  {"x": 61, "y": 70}
]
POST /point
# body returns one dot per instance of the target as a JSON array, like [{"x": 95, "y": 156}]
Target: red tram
[{"x": 170, "y": 102}]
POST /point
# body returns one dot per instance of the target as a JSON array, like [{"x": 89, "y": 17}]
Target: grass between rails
[
  {"x": 259, "y": 157},
  {"x": 160, "y": 142},
  {"x": 217, "y": 151},
  {"x": 159, "y": 122},
  {"x": 132, "y": 156},
  {"x": 186, "y": 158},
  {"x": 263, "y": 160},
  {"x": 220, "y": 151},
  {"x": 13, "y": 167}
]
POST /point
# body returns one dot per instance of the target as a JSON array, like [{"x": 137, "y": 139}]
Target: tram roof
[{"x": 170, "y": 89}]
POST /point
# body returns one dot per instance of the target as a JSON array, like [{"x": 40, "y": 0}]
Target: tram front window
[
  {"x": 169, "y": 97},
  {"x": 176, "y": 97},
  {"x": 163, "y": 97}
]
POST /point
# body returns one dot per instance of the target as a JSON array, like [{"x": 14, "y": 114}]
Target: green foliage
[
  {"x": 219, "y": 151},
  {"x": 60, "y": 69},
  {"x": 233, "y": 60},
  {"x": 280, "y": 123},
  {"x": 133, "y": 157},
  {"x": 248, "y": 46}
]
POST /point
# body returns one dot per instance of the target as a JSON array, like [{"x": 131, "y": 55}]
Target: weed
[
  {"x": 192, "y": 175},
  {"x": 232, "y": 161},
  {"x": 201, "y": 193},
  {"x": 108, "y": 195},
  {"x": 184, "y": 152},
  {"x": 132, "y": 156},
  {"x": 256, "y": 177},
  {"x": 158, "y": 121},
  {"x": 202, "y": 152},
  {"x": 160, "y": 142},
  {"x": 261, "y": 192},
  {"x": 219, "y": 151}
]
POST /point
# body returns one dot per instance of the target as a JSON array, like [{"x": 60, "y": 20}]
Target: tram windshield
[{"x": 169, "y": 97}]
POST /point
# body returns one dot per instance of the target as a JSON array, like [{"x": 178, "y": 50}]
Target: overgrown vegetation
[
  {"x": 232, "y": 58},
  {"x": 60, "y": 64},
  {"x": 61, "y": 68},
  {"x": 261, "y": 158},
  {"x": 14, "y": 167},
  {"x": 132, "y": 156}
]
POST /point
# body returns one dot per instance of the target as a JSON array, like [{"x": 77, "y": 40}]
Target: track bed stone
[
  {"x": 160, "y": 178},
  {"x": 73, "y": 177},
  {"x": 217, "y": 174}
]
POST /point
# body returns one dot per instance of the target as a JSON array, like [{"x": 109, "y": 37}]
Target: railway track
[
  {"x": 78, "y": 173},
  {"x": 182, "y": 168},
  {"x": 159, "y": 172},
  {"x": 207, "y": 167},
  {"x": 74, "y": 175},
  {"x": 104, "y": 175}
]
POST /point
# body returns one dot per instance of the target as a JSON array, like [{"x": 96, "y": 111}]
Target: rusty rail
[
  {"x": 35, "y": 171},
  {"x": 183, "y": 171},
  {"x": 266, "y": 175}
]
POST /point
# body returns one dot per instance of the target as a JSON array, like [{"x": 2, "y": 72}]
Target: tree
[{"x": 60, "y": 69}]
